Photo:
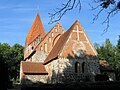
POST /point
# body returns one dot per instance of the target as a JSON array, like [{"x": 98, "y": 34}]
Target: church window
[
  {"x": 41, "y": 48},
  {"x": 77, "y": 67},
  {"x": 32, "y": 47},
  {"x": 49, "y": 39},
  {"x": 45, "y": 47},
  {"x": 55, "y": 30},
  {"x": 83, "y": 67},
  {"x": 52, "y": 34}
]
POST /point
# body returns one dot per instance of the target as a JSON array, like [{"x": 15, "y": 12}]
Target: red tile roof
[
  {"x": 59, "y": 45},
  {"x": 33, "y": 67},
  {"x": 36, "y": 30},
  {"x": 103, "y": 63},
  {"x": 56, "y": 51}
]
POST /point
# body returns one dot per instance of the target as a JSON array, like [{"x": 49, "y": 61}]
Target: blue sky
[{"x": 17, "y": 16}]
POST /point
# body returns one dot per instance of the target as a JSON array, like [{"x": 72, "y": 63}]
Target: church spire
[{"x": 36, "y": 30}]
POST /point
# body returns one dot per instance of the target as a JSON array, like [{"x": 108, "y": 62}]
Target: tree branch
[
  {"x": 111, "y": 6},
  {"x": 59, "y": 12},
  {"x": 102, "y": 5}
]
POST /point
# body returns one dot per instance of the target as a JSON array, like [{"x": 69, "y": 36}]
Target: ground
[{"x": 73, "y": 86}]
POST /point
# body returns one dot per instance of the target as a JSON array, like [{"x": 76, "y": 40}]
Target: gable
[
  {"x": 73, "y": 42},
  {"x": 78, "y": 44},
  {"x": 51, "y": 38}
]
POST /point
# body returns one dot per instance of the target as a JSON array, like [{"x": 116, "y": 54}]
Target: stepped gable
[
  {"x": 33, "y": 68},
  {"x": 50, "y": 39},
  {"x": 58, "y": 46},
  {"x": 36, "y": 30},
  {"x": 73, "y": 39}
]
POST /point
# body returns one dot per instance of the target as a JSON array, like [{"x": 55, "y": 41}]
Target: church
[{"x": 58, "y": 56}]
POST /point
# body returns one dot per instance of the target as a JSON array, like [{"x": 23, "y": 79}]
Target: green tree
[
  {"x": 118, "y": 54},
  {"x": 5, "y": 52},
  {"x": 16, "y": 55},
  {"x": 12, "y": 55},
  {"x": 107, "y": 52}
]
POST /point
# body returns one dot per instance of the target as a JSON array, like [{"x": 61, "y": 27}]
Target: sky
[{"x": 17, "y": 16}]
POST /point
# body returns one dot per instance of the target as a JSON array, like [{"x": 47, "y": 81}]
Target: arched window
[
  {"x": 56, "y": 30},
  {"x": 83, "y": 67},
  {"x": 45, "y": 47},
  {"x": 41, "y": 48},
  {"x": 77, "y": 67},
  {"x": 32, "y": 47},
  {"x": 52, "y": 34},
  {"x": 49, "y": 39}
]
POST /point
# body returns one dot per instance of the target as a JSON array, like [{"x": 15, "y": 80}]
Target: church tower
[{"x": 34, "y": 37}]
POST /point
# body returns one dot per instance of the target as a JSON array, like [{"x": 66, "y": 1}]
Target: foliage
[
  {"x": 3, "y": 74},
  {"x": 109, "y": 53},
  {"x": 12, "y": 55}
]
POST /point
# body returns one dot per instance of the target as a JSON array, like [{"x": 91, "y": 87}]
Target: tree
[
  {"x": 16, "y": 55},
  {"x": 3, "y": 74},
  {"x": 4, "y": 52},
  {"x": 112, "y": 7},
  {"x": 107, "y": 52},
  {"x": 59, "y": 12},
  {"x": 118, "y": 54},
  {"x": 110, "y": 53},
  {"x": 12, "y": 55}
]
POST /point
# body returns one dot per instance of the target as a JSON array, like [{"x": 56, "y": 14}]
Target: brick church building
[{"x": 59, "y": 56}]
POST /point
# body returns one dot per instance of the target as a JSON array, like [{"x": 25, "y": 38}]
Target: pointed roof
[
  {"x": 57, "y": 49},
  {"x": 36, "y": 30},
  {"x": 59, "y": 45}
]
